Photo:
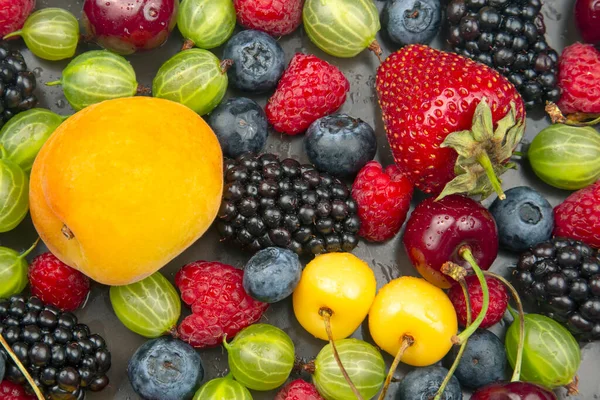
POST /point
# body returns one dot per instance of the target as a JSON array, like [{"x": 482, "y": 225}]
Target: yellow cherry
[
  {"x": 340, "y": 283},
  {"x": 410, "y": 307}
]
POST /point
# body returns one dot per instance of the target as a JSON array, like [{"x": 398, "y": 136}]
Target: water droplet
[
  {"x": 60, "y": 103},
  {"x": 37, "y": 71}
]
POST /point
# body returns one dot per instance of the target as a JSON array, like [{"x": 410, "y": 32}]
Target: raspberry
[
  {"x": 54, "y": 282},
  {"x": 12, "y": 391},
  {"x": 579, "y": 79},
  {"x": 309, "y": 89},
  {"x": 578, "y": 217},
  {"x": 275, "y": 17},
  {"x": 298, "y": 390},
  {"x": 383, "y": 199},
  {"x": 220, "y": 305},
  {"x": 498, "y": 300}
]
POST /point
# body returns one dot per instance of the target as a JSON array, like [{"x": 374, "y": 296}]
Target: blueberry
[
  {"x": 340, "y": 145},
  {"x": 240, "y": 125},
  {"x": 423, "y": 383},
  {"x": 524, "y": 218},
  {"x": 483, "y": 362},
  {"x": 272, "y": 274},
  {"x": 165, "y": 369},
  {"x": 258, "y": 61},
  {"x": 411, "y": 21}
]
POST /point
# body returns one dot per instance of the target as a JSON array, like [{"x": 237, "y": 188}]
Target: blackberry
[
  {"x": 271, "y": 202},
  {"x": 60, "y": 354},
  {"x": 562, "y": 277},
  {"x": 16, "y": 84},
  {"x": 507, "y": 35}
]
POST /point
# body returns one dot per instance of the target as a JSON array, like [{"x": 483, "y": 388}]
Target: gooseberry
[
  {"x": 222, "y": 389},
  {"x": 13, "y": 271},
  {"x": 206, "y": 23},
  {"x": 14, "y": 194}
]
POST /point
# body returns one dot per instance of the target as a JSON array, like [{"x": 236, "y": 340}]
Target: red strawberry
[
  {"x": 298, "y": 390},
  {"x": 498, "y": 301},
  {"x": 13, "y": 14},
  {"x": 309, "y": 89},
  {"x": 54, "y": 282},
  {"x": 220, "y": 305},
  {"x": 275, "y": 17},
  {"x": 429, "y": 100},
  {"x": 12, "y": 391},
  {"x": 383, "y": 199},
  {"x": 578, "y": 217},
  {"x": 579, "y": 79}
]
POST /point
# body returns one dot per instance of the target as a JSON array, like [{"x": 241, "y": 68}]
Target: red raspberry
[
  {"x": 578, "y": 217},
  {"x": 275, "y": 17},
  {"x": 54, "y": 282},
  {"x": 220, "y": 305},
  {"x": 12, "y": 391},
  {"x": 383, "y": 199},
  {"x": 309, "y": 89},
  {"x": 579, "y": 79},
  {"x": 498, "y": 301},
  {"x": 298, "y": 390}
]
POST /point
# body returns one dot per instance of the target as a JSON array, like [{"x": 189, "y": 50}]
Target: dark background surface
[{"x": 388, "y": 260}]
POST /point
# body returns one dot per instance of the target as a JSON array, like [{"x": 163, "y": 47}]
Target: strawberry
[
  {"x": 298, "y": 390},
  {"x": 498, "y": 301},
  {"x": 275, "y": 17},
  {"x": 220, "y": 305},
  {"x": 439, "y": 111},
  {"x": 309, "y": 89},
  {"x": 579, "y": 79},
  {"x": 578, "y": 217},
  {"x": 383, "y": 199}
]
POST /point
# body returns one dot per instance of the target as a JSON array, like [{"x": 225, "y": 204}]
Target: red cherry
[
  {"x": 126, "y": 26},
  {"x": 587, "y": 19},
  {"x": 513, "y": 391},
  {"x": 13, "y": 14},
  {"x": 437, "y": 230}
]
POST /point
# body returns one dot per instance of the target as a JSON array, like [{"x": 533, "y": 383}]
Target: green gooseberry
[
  {"x": 195, "y": 78},
  {"x": 342, "y": 28},
  {"x": 50, "y": 33},
  {"x": 95, "y": 76},
  {"x": 566, "y": 157},
  {"x": 206, "y": 23},
  {"x": 150, "y": 307},
  {"x": 363, "y": 363},
  {"x": 551, "y": 355},
  {"x": 14, "y": 193},
  {"x": 13, "y": 270},
  {"x": 222, "y": 389},
  {"x": 261, "y": 357},
  {"x": 24, "y": 135}
]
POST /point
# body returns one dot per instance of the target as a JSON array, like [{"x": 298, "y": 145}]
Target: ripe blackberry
[
  {"x": 271, "y": 202},
  {"x": 60, "y": 354},
  {"x": 563, "y": 277},
  {"x": 16, "y": 84},
  {"x": 507, "y": 35}
]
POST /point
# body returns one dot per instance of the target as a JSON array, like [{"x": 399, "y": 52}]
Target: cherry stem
[
  {"x": 23, "y": 370},
  {"x": 29, "y": 250},
  {"x": 187, "y": 44},
  {"x": 407, "y": 341},
  {"x": 376, "y": 48},
  {"x": 326, "y": 314},
  {"x": 463, "y": 346},
  {"x": 465, "y": 252},
  {"x": 13, "y": 34},
  {"x": 519, "y": 361},
  {"x": 484, "y": 160}
]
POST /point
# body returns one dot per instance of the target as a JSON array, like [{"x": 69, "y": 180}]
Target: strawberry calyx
[{"x": 483, "y": 153}]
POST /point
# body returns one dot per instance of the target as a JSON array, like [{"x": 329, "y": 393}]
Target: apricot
[{"x": 124, "y": 186}]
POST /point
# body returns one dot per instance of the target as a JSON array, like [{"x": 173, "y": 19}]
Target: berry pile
[
  {"x": 507, "y": 35},
  {"x": 16, "y": 84},
  {"x": 268, "y": 202},
  {"x": 563, "y": 277},
  {"x": 61, "y": 355}
]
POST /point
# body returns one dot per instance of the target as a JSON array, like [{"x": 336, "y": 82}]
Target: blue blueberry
[
  {"x": 483, "y": 362},
  {"x": 340, "y": 145},
  {"x": 240, "y": 125},
  {"x": 258, "y": 61},
  {"x": 423, "y": 383},
  {"x": 524, "y": 218},
  {"x": 165, "y": 369},
  {"x": 272, "y": 274},
  {"x": 411, "y": 21}
]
